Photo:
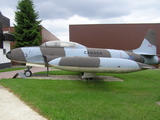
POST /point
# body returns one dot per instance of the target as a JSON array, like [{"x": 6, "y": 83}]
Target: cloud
[
  {"x": 57, "y": 15},
  {"x": 60, "y": 27},
  {"x": 51, "y": 10},
  {"x": 143, "y": 16},
  {"x": 92, "y": 9}
]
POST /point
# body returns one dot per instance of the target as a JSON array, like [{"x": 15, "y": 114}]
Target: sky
[{"x": 57, "y": 15}]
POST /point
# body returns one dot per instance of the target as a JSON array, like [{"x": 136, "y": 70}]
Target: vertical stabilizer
[{"x": 148, "y": 46}]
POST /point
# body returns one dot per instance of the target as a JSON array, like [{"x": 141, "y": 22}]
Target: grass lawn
[{"x": 132, "y": 99}]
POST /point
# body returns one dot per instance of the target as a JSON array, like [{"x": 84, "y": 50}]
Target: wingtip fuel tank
[{"x": 98, "y": 64}]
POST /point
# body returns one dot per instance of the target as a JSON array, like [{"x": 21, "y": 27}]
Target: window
[{"x": 61, "y": 44}]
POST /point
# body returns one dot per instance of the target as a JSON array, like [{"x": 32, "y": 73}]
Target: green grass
[
  {"x": 132, "y": 99},
  {"x": 12, "y": 69}
]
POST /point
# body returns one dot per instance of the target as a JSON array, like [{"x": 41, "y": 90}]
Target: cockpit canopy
[{"x": 61, "y": 44}]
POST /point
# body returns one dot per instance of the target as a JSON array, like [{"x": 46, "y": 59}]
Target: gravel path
[{"x": 11, "y": 107}]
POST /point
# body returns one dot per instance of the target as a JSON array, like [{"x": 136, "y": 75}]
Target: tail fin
[{"x": 148, "y": 46}]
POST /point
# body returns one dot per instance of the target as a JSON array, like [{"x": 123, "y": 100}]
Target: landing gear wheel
[
  {"x": 27, "y": 73},
  {"x": 89, "y": 78}
]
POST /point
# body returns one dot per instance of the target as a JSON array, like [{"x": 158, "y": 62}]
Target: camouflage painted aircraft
[{"x": 72, "y": 56}]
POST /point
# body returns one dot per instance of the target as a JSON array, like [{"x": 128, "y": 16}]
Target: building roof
[{"x": 4, "y": 20}]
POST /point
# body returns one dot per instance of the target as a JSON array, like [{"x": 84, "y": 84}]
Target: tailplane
[{"x": 148, "y": 46}]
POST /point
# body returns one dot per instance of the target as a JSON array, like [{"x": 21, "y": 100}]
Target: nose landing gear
[{"x": 27, "y": 72}]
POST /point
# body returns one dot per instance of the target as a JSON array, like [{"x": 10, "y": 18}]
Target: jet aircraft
[{"x": 73, "y": 56}]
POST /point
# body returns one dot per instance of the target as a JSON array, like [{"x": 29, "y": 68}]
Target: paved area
[
  {"x": 12, "y": 73},
  {"x": 76, "y": 77}
]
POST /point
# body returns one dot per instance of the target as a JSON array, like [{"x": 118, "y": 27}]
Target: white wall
[{"x": 3, "y": 58}]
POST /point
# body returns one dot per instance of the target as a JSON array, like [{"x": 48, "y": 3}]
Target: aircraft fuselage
[
  {"x": 37, "y": 54},
  {"x": 41, "y": 55}
]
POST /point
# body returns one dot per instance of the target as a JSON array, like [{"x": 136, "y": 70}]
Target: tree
[{"x": 27, "y": 27}]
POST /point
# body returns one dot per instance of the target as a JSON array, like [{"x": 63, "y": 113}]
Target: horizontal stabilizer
[{"x": 145, "y": 66}]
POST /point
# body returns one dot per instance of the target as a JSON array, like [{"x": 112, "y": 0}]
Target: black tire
[
  {"x": 89, "y": 78},
  {"x": 27, "y": 73}
]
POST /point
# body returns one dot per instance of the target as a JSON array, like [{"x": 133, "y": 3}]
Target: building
[
  {"x": 113, "y": 36},
  {"x": 46, "y": 35},
  {"x": 5, "y": 39}
]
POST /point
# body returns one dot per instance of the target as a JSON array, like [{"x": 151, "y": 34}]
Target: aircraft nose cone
[
  {"x": 16, "y": 55},
  {"x": 8, "y": 55}
]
